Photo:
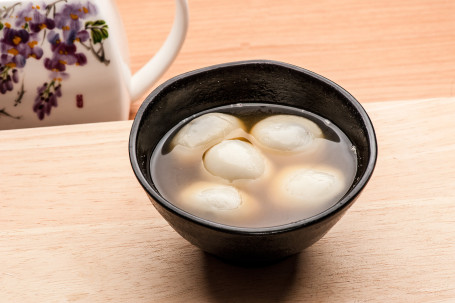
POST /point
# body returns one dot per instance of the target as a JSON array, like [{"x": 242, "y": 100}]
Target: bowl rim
[{"x": 347, "y": 199}]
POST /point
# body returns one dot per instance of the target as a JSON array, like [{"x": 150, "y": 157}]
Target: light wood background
[
  {"x": 377, "y": 50},
  {"x": 75, "y": 225}
]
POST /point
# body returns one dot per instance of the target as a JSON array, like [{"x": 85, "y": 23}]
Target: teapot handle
[{"x": 143, "y": 79}]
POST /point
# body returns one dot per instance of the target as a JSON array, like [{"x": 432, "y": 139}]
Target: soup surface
[{"x": 254, "y": 165}]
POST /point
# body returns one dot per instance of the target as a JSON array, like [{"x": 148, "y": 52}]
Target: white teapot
[{"x": 66, "y": 62}]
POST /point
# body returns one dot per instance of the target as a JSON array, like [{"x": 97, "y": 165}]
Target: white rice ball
[
  {"x": 223, "y": 203},
  {"x": 206, "y": 130},
  {"x": 234, "y": 159},
  {"x": 308, "y": 187},
  {"x": 286, "y": 132},
  {"x": 210, "y": 196}
]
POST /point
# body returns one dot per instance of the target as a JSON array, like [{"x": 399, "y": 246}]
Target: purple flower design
[
  {"x": 69, "y": 20},
  {"x": 34, "y": 18},
  {"x": 47, "y": 98},
  {"x": 16, "y": 47},
  {"x": 7, "y": 79},
  {"x": 65, "y": 26},
  {"x": 62, "y": 54},
  {"x": 64, "y": 49}
]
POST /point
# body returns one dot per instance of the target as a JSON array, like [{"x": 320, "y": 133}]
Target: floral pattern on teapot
[{"x": 28, "y": 30}]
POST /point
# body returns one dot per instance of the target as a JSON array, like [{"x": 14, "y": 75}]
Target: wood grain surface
[
  {"x": 75, "y": 226},
  {"x": 377, "y": 50}
]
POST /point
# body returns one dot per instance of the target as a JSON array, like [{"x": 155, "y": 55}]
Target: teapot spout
[{"x": 144, "y": 79}]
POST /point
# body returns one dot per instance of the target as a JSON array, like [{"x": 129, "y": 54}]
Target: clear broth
[{"x": 171, "y": 174}]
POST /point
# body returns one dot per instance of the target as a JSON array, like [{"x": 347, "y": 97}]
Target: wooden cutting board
[{"x": 75, "y": 226}]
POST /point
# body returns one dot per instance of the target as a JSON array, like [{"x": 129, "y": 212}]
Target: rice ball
[
  {"x": 223, "y": 203},
  {"x": 234, "y": 159},
  {"x": 308, "y": 187},
  {"x": 286, "y": 132},
  {"x": 206, "y": 130}
]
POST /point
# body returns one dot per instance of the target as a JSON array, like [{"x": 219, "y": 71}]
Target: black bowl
[{"x": 257, "y": 81}]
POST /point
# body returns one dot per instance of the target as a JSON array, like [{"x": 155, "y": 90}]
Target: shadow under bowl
[{"x": 258, "y": 81}]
